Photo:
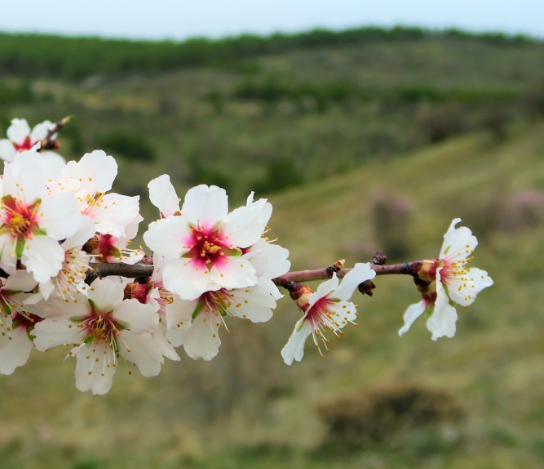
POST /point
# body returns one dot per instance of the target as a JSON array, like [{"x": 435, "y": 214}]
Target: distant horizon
[
  {"x": 177, "y": 20},
  {"x": 437, "y": 29}
]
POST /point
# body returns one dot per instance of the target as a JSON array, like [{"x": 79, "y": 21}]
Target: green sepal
[
  {"x": 19, "y": 248},
  {"x": 236, "y": 252},
  {"x": 198, "y": 309},
  {"x": 6, "y": 308}
]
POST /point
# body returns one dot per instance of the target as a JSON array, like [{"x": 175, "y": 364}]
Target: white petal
[
  {"x": 353, "y": 278},
  {"x": 166, "y": 237},
  {"x": 343, "y": 312},
  {"x": 53, "y": 332},
  {"x": 254, "y": 303},
  {"x": 143, "y": 350},
  {"x": 180, "y": 312},
  {"x": 458, "y": 242},
  {"x": 84, "y": 232},
  {"x": 57, "y": 307},
  {"x": 442, "y": 321},
  {"x": 236, "y": 272},
  {"x": 51, "y": 164},
  {"x": 464, "y": 290},
  {"x": 324, "y": 289},
  {"x": 182, "y": 278},
  {"x": 16, "y": 353},
  {"x": 411, "y": 314},
  {"x": 294, "y": 349},
  {"x": 136, "y": 316},
  {"x": 244, "y": 226},
  {"x": 103, "y": 169},
  {"x": 8, "y": 259},
  {"x": 59, "y": 215},
  {"x": 43, "y": 257},
  {"x": 106, "y": 294},
  {"x": 18, "y": 131},
  {"x": 270, "y": 260},
  {"x": 39, "y": 132},
  {"x": 114, "y": 213},
  {"x": 7, "y": 150},
  {"x": 163, "y": 195},
  {"x": 24, "y": 178},
  {"x": 20, "y": 281},
  {"x": 94, "y": 368},
  {"x": 202, "y": 338},
  {"x": 205, "y": 205},
  {"x": 167, "y": 350}
]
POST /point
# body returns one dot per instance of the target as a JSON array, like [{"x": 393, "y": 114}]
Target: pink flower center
[
  {"x": 321, "y": 315},
  {"x": 25, "y": 320},
  {"x": 102, "y": 328},
  {"x": 18, "y": 219},
  {"x": 207, "y": 247},
  {"x": 25, "y": 145}
]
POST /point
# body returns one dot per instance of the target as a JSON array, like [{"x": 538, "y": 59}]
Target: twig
[
  {"x": 146, "y": 270},
  {"x": 50, "y": 142}
]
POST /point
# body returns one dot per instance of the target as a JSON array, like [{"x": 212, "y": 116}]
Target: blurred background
[{"x": 368, "y": 126}]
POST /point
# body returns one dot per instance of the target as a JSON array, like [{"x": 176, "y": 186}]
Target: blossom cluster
[{"x": 210, "y": 267}]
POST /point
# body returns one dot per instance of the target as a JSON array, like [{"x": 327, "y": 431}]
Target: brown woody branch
[
  {"x": 143, "y": 270},
  {"x": 50, "y": 142}
]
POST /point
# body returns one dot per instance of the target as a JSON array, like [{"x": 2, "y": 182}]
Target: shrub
[
  {"x": 533, "y": 99},
  {"x": 391, "y": 217},
  {"x": 280, "y": 174},
  {"x": 359, "y": 419},
  {"x": 521, "y": 210},
  {"x": 438, "y": 123},
  {"x": 128, "y": 146}
]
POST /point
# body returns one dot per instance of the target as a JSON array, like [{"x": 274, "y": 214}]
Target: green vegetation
[
  {"x": 340, "y": 132},
  {"x": 31, "y": 55}
]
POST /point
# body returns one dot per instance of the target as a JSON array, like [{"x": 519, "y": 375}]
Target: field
[{"x": 342, "y": 138}]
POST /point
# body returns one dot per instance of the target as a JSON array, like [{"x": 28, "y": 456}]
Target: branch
[
  {"x": 143, "y": 269},
  {"x": 50, "y": 142}
]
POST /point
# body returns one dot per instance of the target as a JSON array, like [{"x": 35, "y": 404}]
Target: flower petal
[
  {"x": 202, "y": 339},
  {"x": 143, "y": 350},
  {"x": 244, "y": 226},
  {"x": 59, "y": 215},
  {"x": 458, "y": 242},
  {"x": 95, "y": 368},
  {"x": 189, "y": 283},
  {"x": 7, "y": 150},
  {"x": 43, "y": 257},
  {"x": 324, "y": 289},
  {"x": 18, "y": 131},
  {"x": 163, "y": 195},
  {"x": 294, "y": 349},
  {"x": 205, "y": 205},
  {"x": 411, "y": 314},
  {"x": 136, "y": 316},
  {"x": 106, "y": 294},
  {"x": 353, "y": 278},
  {"x": 235, "y": 272},
  {"x": 254, "y": 303},
  {"x": 114, "y": 213},
  {"x": 166, "y": 237},
  {"x": 16, "y": 352},
  {"x": 53, "y": 332},
  {"x": 442, "y": 321}
]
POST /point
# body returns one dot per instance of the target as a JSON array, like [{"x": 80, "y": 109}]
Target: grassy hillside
[
  {"x": 319, "y": 104},
  {"x": 246, "y": 408},
  {"x": 363, "y": 140}
]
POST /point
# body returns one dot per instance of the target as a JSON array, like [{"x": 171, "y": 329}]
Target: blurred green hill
[{"x": 360, "y": 145}]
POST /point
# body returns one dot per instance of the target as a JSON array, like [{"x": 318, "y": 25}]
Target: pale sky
[{"x": 170, "y": 19}]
